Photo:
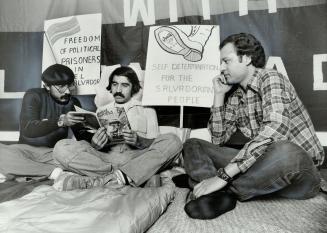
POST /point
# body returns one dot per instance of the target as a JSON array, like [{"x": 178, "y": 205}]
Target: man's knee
[
  {"x": 189, "y": 147},
  {"x": 292, "y": 154},
  {"x": 173, "y": 143},
  {"x": 191, "y": 142},
  {"x": 63, "y": 150}
]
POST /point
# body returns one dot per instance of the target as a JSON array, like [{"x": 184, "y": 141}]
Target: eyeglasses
[{"x": 62, "y": 88}]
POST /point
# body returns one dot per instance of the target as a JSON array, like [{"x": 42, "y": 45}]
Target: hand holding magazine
[{"x": 113, "y": 119}]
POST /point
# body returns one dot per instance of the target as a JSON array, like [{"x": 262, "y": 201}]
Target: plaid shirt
[{"x": 269, "y": 110}]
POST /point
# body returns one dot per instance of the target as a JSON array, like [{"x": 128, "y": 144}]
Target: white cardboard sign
[
  {"x": 75, "y": 41},
  {"x": 181, "y": 62}
]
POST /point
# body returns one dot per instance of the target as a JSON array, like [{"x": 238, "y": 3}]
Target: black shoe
[
  {"x": 181, "y": 181},
  {"x": 211, "y": 205}
]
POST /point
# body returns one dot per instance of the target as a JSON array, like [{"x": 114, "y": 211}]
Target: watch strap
[
  {"x": 60, "y": 121},
  {"x": 223, "y": 175}
]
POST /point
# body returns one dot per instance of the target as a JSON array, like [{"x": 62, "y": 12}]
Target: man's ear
[
  {"x": 46, "y": 87},
  {"x": 247, "y": 60}
]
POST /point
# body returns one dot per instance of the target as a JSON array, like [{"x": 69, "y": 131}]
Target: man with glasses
[{"x": 45, "y": 119}]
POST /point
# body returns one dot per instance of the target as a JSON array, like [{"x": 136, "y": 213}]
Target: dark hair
[
  {"x": 247, "y": 44},
  {"x": 58, "y": 74},
  {"x": 130, "y": 74}
]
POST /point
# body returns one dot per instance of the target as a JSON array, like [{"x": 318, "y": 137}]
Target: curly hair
[
  {"x": 130, "y": 74},
  {"x": 247, "y": 44}
]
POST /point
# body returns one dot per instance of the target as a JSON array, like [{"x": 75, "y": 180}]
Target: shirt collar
[
  {"x": 254, "y": 81},
  {"x": 252, "y": 84}
]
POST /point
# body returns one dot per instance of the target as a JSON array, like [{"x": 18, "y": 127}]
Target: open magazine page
[
  {"x": 114, "y": 120},
  {"x": 90, "y": 118}
]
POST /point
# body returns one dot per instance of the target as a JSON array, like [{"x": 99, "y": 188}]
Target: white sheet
[{"x": 126, "y": 209}]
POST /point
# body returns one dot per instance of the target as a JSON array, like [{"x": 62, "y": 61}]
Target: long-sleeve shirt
[
  {"x": 39, "y": 116},
  {"x": 268, "y": 110},
  {"x": 143, "y": 120}
]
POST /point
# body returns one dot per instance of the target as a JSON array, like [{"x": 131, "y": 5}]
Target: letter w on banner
[
  {"x": 181, "y": 62},
  {"x": 75, "y": 41}
]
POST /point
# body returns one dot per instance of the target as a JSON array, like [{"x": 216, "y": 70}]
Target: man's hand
[
  {"x": 208, "y": 186},
  {"x": 220, "y": 85},
  {"x": 100, "y": 138},
  {"x": 70, "y": 119},
  {"x": 220, "y": 88},
  {"x": 130, "y": 137}
]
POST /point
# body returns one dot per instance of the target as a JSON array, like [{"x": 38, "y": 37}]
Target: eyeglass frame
[{"x": 71, "y": 87}]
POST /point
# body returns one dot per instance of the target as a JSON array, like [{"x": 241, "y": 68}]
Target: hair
[
  {"x": 130, "y": 74},
  {"x": 247, "y": 44},
  {"x": 58, "y": 74}
]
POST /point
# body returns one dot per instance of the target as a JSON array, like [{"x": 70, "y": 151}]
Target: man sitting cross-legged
[
  {"x": 283, "y": 152},
  {"x": 142, "y": 154},
  {"x": 46, "y": 117}
]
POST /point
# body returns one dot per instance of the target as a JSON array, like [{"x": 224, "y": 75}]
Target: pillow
[
  {"x": 186, "y": 133},
  {"x": 182, "y": 133},
  {"x": 103, "y": 96},
  {"x": 202, "y": 133}
]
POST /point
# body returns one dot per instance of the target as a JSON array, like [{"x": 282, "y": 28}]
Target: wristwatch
[
  {"x": 223, "y": 175},
  {"x": 60, "y": 121}
]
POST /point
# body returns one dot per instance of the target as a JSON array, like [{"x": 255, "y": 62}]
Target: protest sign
[
  {"x": 75, "y": 42},
  {"x": 181, "y": 62}
]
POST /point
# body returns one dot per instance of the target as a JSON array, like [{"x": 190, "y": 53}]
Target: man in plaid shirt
[{"x": 283, "y": 149}]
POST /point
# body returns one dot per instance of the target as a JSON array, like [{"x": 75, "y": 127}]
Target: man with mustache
[
  {"x": 142, "y": 154},
  {"x": 282, "y": 153},
  {"x": 45, "y": 119}
]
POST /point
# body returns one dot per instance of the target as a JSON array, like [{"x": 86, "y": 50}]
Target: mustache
[
  {"x": 66, "y": 96},
  {"x": 119, "y": 94}
]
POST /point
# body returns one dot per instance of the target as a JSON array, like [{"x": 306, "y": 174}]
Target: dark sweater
[{"x": 39, "y": 116}]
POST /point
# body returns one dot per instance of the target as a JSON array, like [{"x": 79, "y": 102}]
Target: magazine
[{"x": 113, "y": 119}]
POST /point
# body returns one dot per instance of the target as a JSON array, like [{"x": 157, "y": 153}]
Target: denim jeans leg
[
  {"x": 26, "y": 160},
  {"x": 80, "y": 157},
  {"x": 202, "y": 159},
  {"x": 285, "y": 169},
  {"x": 145, "y": 163}
]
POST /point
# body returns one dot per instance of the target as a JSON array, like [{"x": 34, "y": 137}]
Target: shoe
[
  {"x": 70, "y": 181},
  {"x": 174, "y": 40},
  {"x": 211, "y": 205}
]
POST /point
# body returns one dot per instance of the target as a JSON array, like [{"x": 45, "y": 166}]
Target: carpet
[{"x": 278, "y": 215}]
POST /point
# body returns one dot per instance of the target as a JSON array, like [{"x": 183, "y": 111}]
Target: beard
[
  {"x": 66, "y": 97},
  {"x": 62, "y": 99}
]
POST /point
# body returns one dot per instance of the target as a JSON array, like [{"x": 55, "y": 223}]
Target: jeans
[
  {"x": 285, "y": 169},
  {"x": 26, "y": 160},
  {"x": 139, "y": 165}
]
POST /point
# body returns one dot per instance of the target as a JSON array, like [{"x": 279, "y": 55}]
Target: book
[{"x": 113, "y": 119}]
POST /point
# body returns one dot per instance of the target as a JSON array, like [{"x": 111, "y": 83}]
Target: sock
[
  {"x": 211, "y": 205},
  {"x": 55, "y": 173},
  {"x": 122, "y": 178},
  {"x": 2, "y": 178},
  {"x": 181, "y": 181}
]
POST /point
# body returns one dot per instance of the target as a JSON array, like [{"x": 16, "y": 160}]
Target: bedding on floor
[
  {"x": 98, "y": 210},
  {"x": 152, "y": 210}
]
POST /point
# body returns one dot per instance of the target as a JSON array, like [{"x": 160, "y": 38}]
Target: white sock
[
  {"x": 2, "y": 178},
  {"x": 122, "y": 178},
  {"x": 55, "y": 173}
]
